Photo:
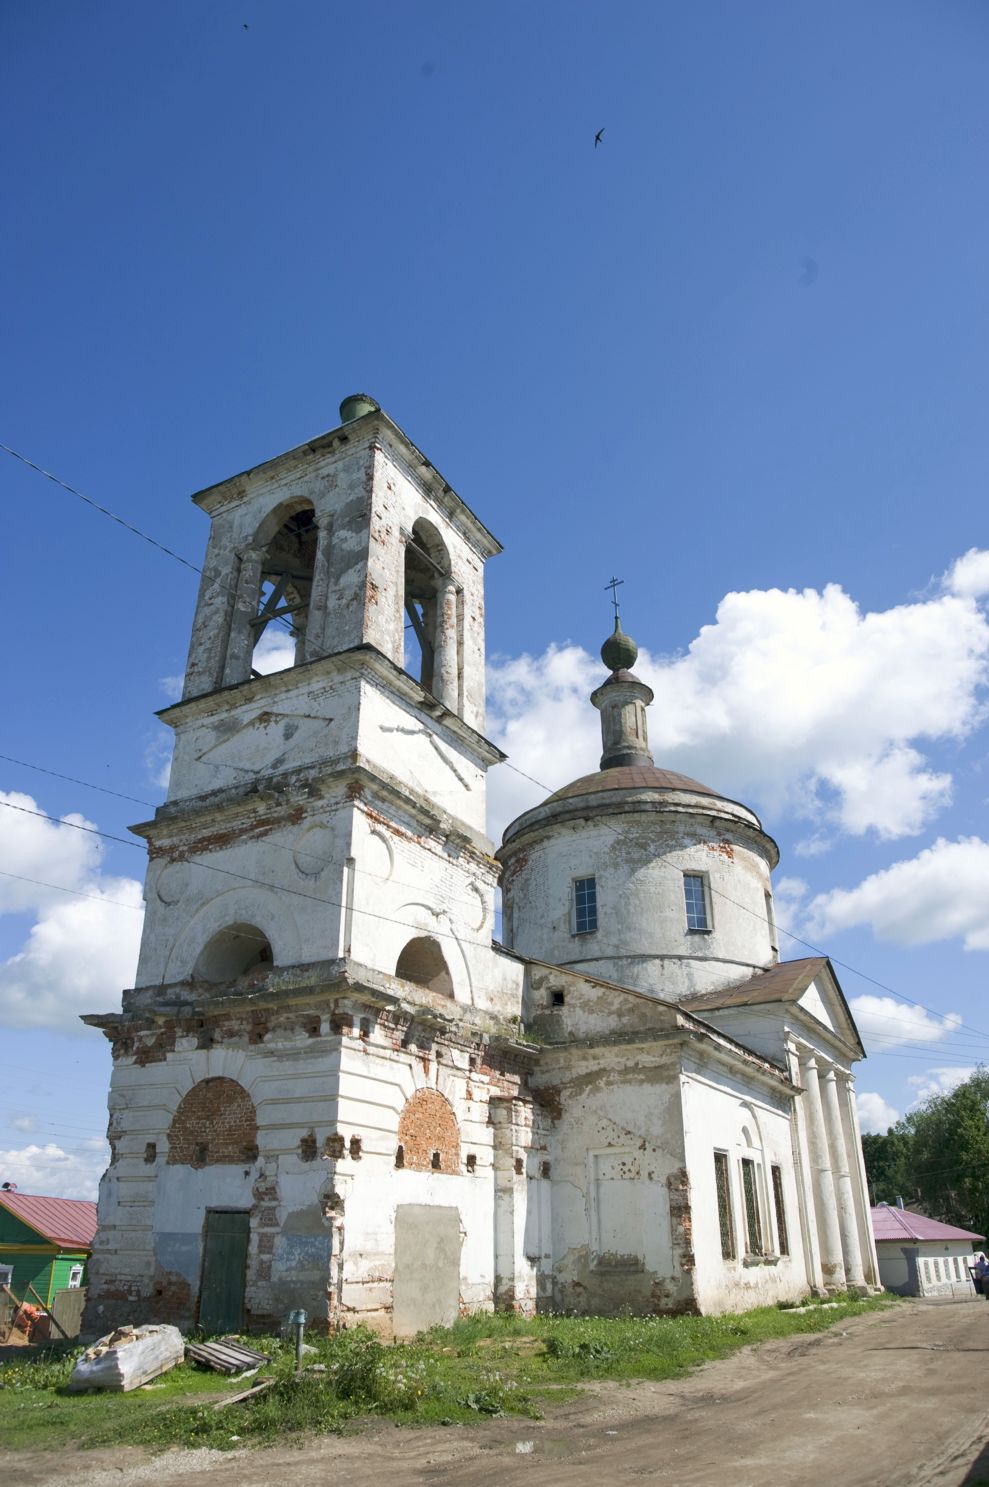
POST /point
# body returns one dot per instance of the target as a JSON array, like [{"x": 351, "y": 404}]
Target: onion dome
[{"x": 619, "y": 651}]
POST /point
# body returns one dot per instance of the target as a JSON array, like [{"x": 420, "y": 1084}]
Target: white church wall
[{"x": 723, "y": 1112}]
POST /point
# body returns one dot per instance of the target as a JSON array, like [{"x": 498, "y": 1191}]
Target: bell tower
[{"x": 334, "y": 807}]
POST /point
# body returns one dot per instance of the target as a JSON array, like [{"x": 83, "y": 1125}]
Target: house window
[
  {"x": 781, "y": 1234},
  {"x": 6, "y": 1275},
  {"x": 722, "y": 1182},
  {"x": 585, "y": 906},
  {"x": 75, "y": 1277},
  {"x": 695, "y": 896},
  {"x": 750, "y": 1194}
]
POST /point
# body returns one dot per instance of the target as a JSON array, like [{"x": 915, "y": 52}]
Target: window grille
[
  {"x": 937, "y": 1269},
  {"x": 723, "y": 1184},
  {"x": 585, "y": 906},
  {"x": 695, "y": 896},
  {"x": 781, "y": 1234},
  {"x": 753, "y": 1228}
]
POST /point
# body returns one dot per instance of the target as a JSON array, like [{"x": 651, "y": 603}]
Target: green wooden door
[{"x": 221, "y": 1295}]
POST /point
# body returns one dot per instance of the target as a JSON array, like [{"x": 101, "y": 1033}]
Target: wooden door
[{"x": 221, "y": 1294}]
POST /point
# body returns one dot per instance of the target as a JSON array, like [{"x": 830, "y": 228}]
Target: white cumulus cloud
[
  {"x": 874, "y": 1112},
  {"x": 82, "y": 948},
  {"x": 941, "y": 894},
  {"x": 53, "y": 1172},
  {"x": 884, "y": 1022},
  {"x": 796, "y": 700},
  {"x": 938, "y": 1081},
  {"x": 969, "y": 576}
]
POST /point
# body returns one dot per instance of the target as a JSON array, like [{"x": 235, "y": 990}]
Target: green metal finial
[{"x": 619, "y": 651}]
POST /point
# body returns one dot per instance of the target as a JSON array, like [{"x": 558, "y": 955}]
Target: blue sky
[{"x": 740, "y": 349}]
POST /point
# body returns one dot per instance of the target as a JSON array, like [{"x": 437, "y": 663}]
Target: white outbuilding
[
  {"x": 332, "y": 1087},
  {"x": 919, "y": 1256}
]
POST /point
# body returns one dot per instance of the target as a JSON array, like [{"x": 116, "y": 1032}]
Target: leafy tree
[{"x": 937, "y": 1157}]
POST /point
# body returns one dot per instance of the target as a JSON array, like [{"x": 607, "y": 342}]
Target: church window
[
  {"x": 585, "y": 906},
  {"x": 696, "y": 899},
  {"x": 782, "y": 1237},
  {"x": 774, "y": 939},
  {"x": 750, "y": 1194},
  {"x": 723, "y": 1185}
]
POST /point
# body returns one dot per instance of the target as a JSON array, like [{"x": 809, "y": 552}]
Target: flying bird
[{"x": 597, "y": 138}]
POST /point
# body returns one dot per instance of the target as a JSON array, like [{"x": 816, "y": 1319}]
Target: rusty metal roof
[
  {"x": 631, "y": 777},
  {"x": 785, "y": 982},
  {"x": 900, "y": 1223},
  {"x": 69, "y": 1221}
]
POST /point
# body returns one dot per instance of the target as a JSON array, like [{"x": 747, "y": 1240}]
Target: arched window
[
  {"x": 428, "y": 1134},
  {"x": 427, "y": 565},
  {"x": 214, "y": 1125},
  {"x": 232, "y": 953},
  {"x": 288, "y": 562},
  {"x": 422, "y": 961}
]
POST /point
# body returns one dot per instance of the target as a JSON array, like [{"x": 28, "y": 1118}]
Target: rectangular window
[
  {"x": 6, "y": 1275},
  {"x": 585, "y": 906},
  {"x": 774, "y": 943},
  {"x": 958, "y": 1267},
  {"x": 695, "y": 895},
  {"x": 937, "y": 1269},
  {"x": 75, "y": 1277},
  {"x": 781, "y": 1234},
  {"x": 723, "y": 1185},
  {"x": 750, "y": 1194}
]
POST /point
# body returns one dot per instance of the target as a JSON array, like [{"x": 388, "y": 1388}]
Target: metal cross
[{"x": 614, "y": 586}]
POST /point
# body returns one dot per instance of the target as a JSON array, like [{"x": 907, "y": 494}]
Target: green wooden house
[{"x": 45, "y": 1243}]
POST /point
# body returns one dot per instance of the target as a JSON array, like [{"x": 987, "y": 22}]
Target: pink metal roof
[
  {"x": 69, "y": 1221},
  {"x": 899, "y": 1223}
]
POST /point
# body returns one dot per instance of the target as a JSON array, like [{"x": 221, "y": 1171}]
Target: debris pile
[{"x": 127, "y": 1358}]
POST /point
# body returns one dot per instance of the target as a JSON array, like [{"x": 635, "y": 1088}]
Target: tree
[{"x": 937, "y": 1157}]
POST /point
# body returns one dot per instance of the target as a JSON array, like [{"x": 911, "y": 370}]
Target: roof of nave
[
  {"x": 631, "y": 777},
  {"x": 785, "y": 982}
]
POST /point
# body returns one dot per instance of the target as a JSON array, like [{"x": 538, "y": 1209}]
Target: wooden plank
[{"x": 245, "y": 1394}]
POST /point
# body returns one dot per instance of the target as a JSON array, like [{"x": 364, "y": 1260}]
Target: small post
[{"x": 298, "y": 1321}]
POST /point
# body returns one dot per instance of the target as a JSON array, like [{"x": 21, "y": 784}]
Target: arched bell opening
[
  {"x": 232, "y": 953},
  {"x": 423, "y": 963},
  {"x": 288, "y": 562},
  {"x": 427, "y": 575}
]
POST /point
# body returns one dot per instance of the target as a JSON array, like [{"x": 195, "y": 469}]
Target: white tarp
[{"x": 128, "y": 1357}]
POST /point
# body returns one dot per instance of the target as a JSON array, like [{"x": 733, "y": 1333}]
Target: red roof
[
  {"x": 899, "y": 1223},
  {"x": 68, "y": 1221}
]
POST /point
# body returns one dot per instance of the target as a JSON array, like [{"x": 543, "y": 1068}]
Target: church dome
[{"x": 631, "y": 777}]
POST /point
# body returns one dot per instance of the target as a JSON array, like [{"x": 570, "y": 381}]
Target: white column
[
  {"x": 240, "y": 647},
  {"x": 825, "y": 1207},
  {"x": 316, "y": 620},
  {"x": 445, "y": 659},
  {"x": 860, "y": 1185},
  {"x": 847, "y": 1220}
]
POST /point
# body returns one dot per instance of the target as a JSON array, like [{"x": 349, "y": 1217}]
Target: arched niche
[
  {"x": 215, "y": 1125},
  {"x": 428, "y": 1134},
  {"x": 233, "y": 952},
  {"x": 423, "y": 962},
  {"x": 263, "y": 909}
]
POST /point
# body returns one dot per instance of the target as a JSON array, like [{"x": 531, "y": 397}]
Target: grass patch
[{"x": 483, "y": 1366}]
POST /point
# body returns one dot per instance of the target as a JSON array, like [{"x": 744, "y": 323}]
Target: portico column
[
  {"x": 315, "y": 641},
  {"x": 445, "y": 666},
  {"x": 847, "y": 1220},
  {"x": 825, "y": 1206},
  {"x": 240, "y": 647}
]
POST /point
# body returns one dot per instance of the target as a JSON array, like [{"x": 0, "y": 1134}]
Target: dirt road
[{"x": 893, "y": 1397}]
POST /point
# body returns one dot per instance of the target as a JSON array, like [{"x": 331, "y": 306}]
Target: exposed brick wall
[
  {"x": 214, "y": 1124},
  {"x": 428, "y": 1126}
]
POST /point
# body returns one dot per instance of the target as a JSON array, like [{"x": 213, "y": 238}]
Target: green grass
[{"x": 483, "y": 1366}]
